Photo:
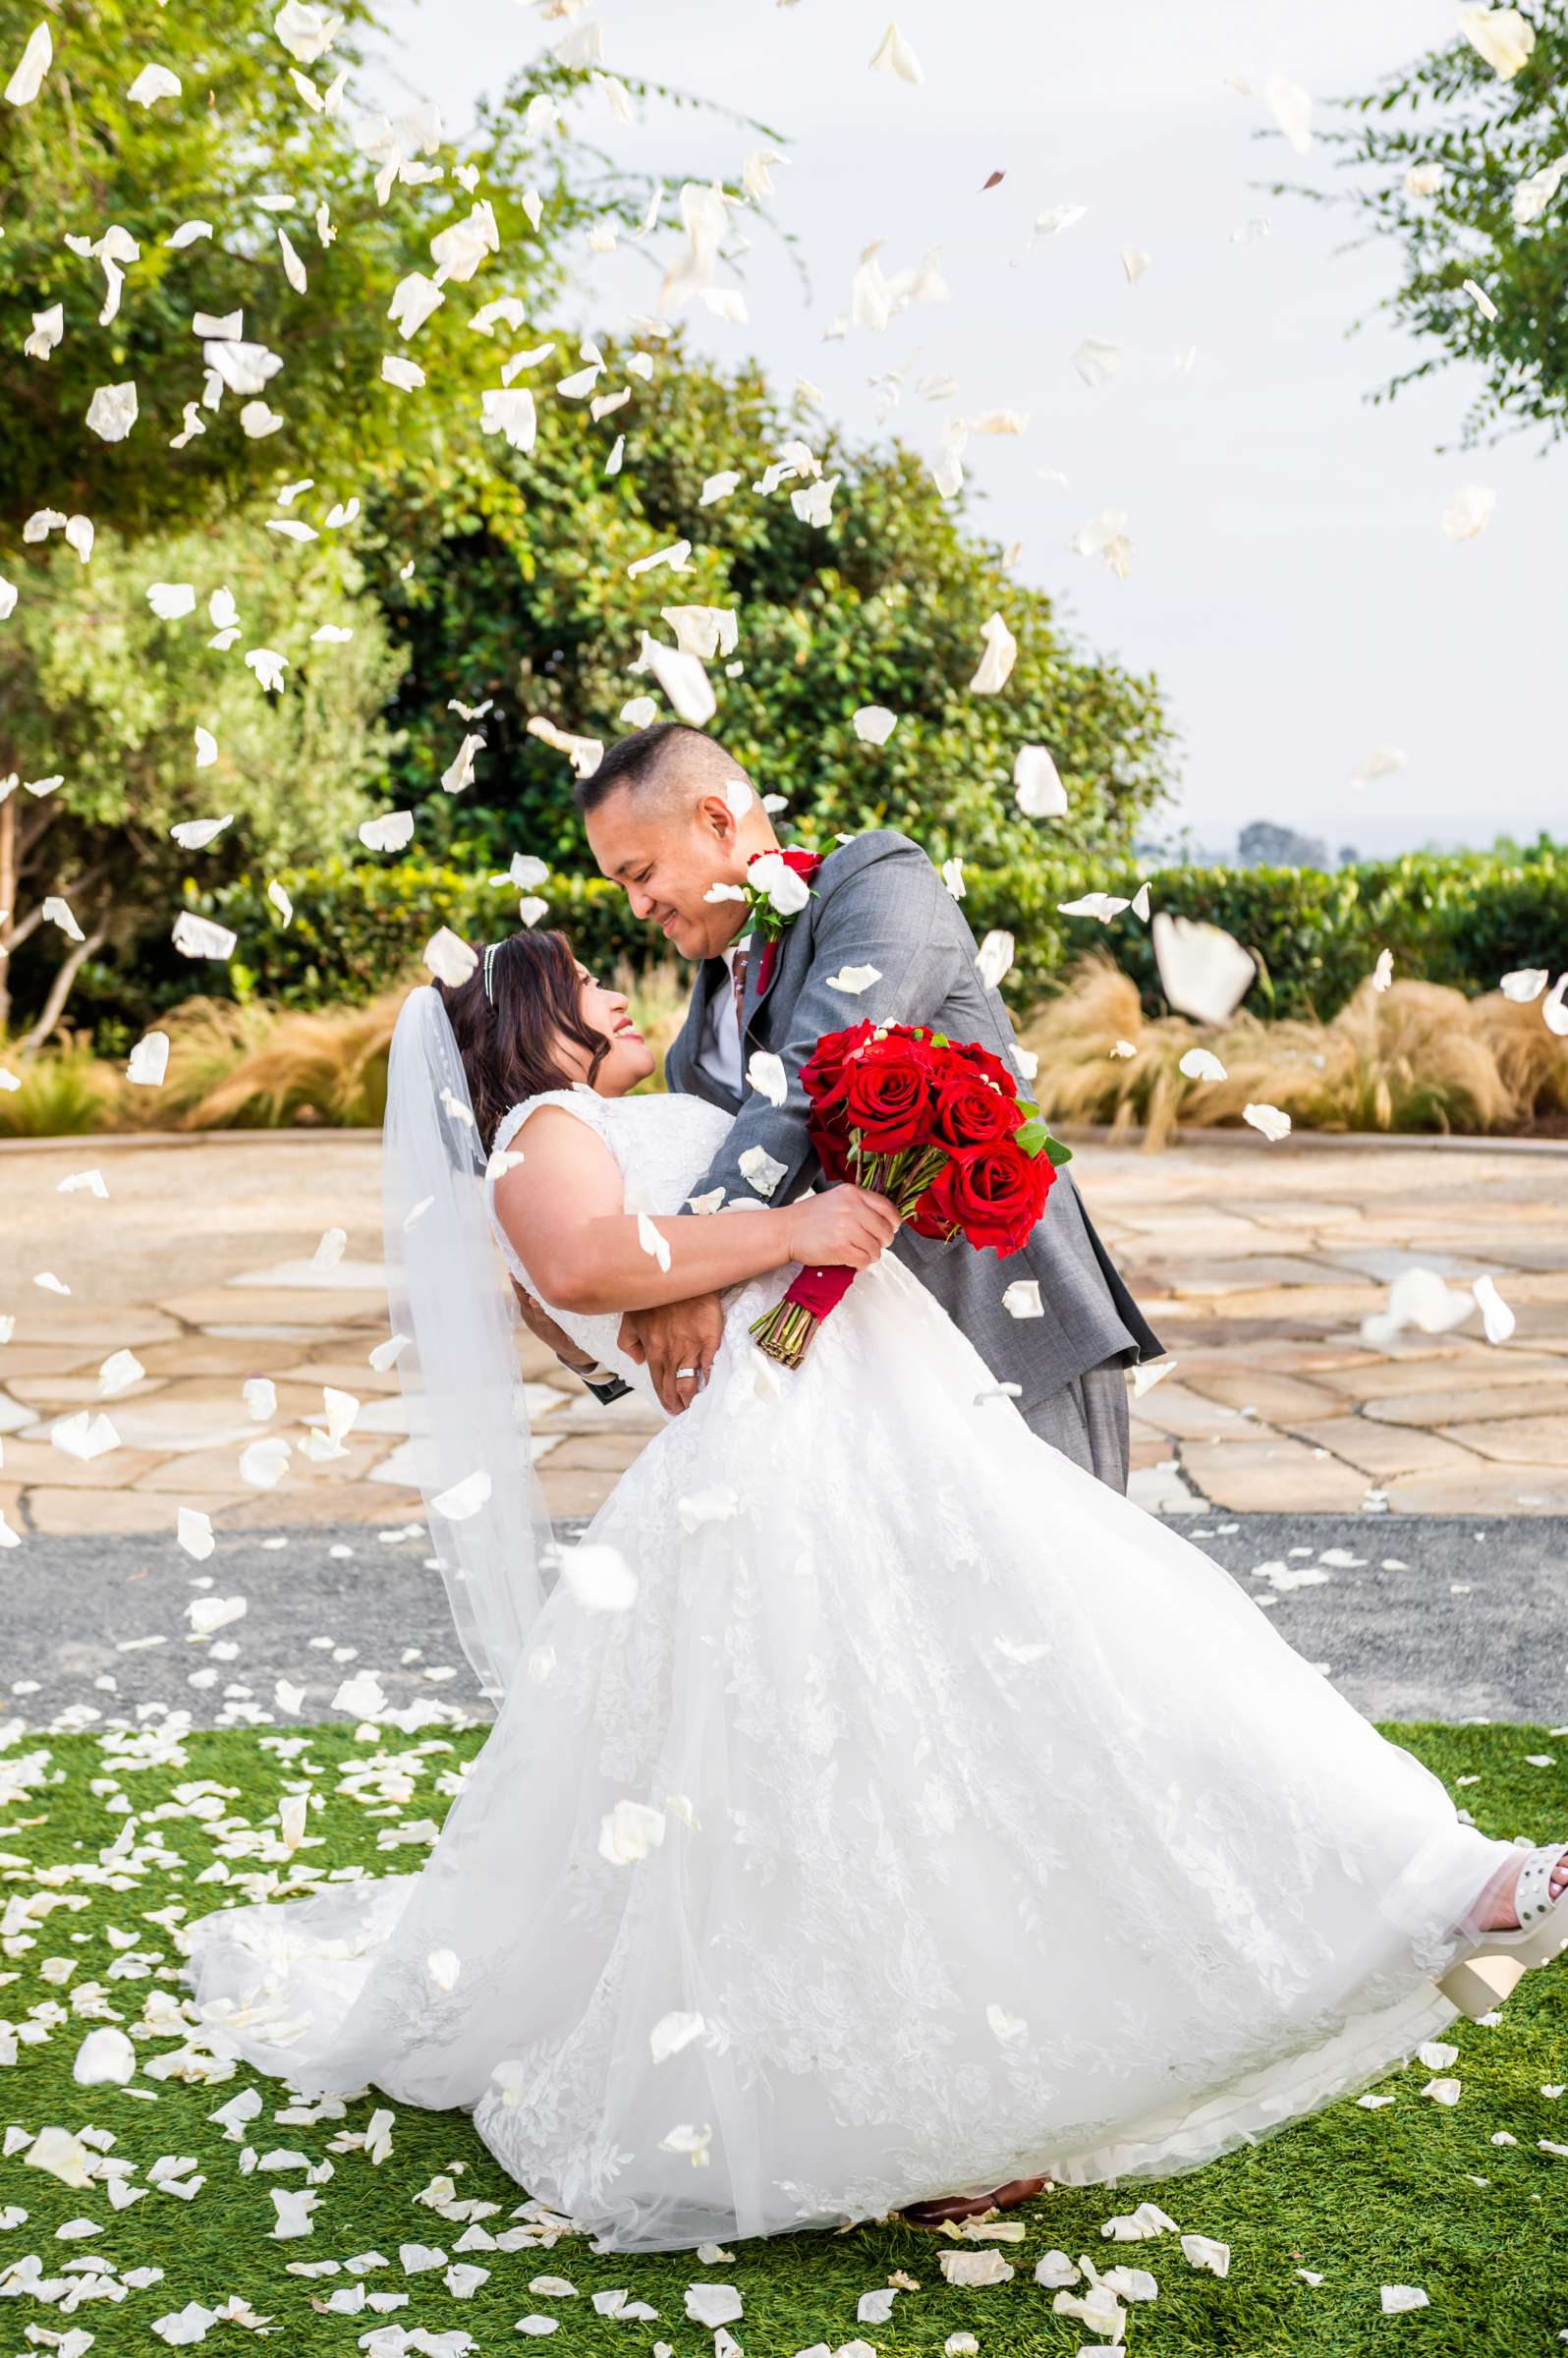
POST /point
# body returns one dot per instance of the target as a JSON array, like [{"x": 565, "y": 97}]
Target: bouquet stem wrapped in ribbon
[{"x": 935, "y": 1125}]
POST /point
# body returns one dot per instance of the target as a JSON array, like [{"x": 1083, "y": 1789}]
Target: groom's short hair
[{"x": 652, "y": 761}]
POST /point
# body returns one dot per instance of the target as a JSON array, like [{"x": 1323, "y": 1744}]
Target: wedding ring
[{"x": 680, "y": 1372}]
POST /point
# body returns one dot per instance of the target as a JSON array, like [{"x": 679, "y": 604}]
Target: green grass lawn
[{"x": 1411, "y": 2193}]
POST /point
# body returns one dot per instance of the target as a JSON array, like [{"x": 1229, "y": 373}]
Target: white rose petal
[
  {"x": 628, "y": 1831},
  {"x": 105, "y": 2059},
  {"x": 720, "y": 1505},
  {"x": 152, "y": 83},
  {"x": 873, "y": 724},
  {"x": 598, "y": 1577},
  {"x": 995, "y": 958},
  {"x": 199, "y": 937},
  {"x": 195, "y": 834},
  {"x": 149, "y": 1060},
  {"x": 895, "y": 56},
  {"x": 1203, "y": 2251},
  {"x": 305, "y": 32},
  {"x": 194, "y": 1532},
  {"x": 996, "y": 663},
  {"x": 1496, "y": 1316},
  {"x": 360, "y": 1697},
  {"x": 171, "y": 599},
  {"x": 27, "y": 80},
  {"x": 1203, "y": 972},
  {"x": 449, "y": 957},
  {"x": 391, "y": 832},
  {"x": 465, "y": 1497},
  {"x": 1268, "y": 1119},
  {"x": 112, "y": 411},
  {"x": 1038, "y": 790},
  {"x": 511, "y": 415},
  {"x": 1096, "y": 361},
  {"x": 264, "y": 1464},
  {"x": 1022, "y": 1299},
  {"x": 670, "y": 2035},
  {"x": 84, "y": 1436},
  {"x": 1201, "y": 1064},
  {"x": 406, "y": 374},
  {"x": 1396, "y": 2299},
  {"x": 1501, "y": 35},
  {"x": 765, "y": 1074},
  {"x": 1291, "y": 109},
  {"x": 1101, "y": 905},
  {"x": 1525, "y": 984},
  {"x": 1469, "y": 512},
  {"x": 853, "y": 979},
  {"x": 761, "y": 1170}
]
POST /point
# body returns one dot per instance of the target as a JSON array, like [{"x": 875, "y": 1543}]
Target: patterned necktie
[{"x": 737, "y": 966}]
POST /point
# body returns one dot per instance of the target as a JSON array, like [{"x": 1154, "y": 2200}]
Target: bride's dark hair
[{"x": 509, "y": 1039}]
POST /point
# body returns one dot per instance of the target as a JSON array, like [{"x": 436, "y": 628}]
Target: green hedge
[{"x": 1461, "y": 919}]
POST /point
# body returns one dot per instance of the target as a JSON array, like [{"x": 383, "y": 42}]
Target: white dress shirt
[{"x": 718, "y": 1054}]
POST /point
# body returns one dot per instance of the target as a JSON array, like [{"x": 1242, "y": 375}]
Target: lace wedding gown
[{"x": 984, "y": 1828}]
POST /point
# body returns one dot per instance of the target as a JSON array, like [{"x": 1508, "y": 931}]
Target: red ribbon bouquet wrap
[{"x": 937, "y": 1126}]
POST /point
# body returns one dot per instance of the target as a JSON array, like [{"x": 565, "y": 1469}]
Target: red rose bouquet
[{"x": 935, "y": 1125}]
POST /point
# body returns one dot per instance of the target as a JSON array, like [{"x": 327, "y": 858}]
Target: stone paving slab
[{"x": 1257, "y": 1263}]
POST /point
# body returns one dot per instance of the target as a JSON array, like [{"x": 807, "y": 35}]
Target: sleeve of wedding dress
[{"x": 880, "y": 916}]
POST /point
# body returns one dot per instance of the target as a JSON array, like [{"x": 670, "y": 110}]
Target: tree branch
[{"x": 60, "y": 988}]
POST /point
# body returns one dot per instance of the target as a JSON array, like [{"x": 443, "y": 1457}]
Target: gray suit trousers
[{"x": 1086, "y": 1421}]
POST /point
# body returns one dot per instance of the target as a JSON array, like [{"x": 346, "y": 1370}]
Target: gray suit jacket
[{"x": 878, "y": 901}]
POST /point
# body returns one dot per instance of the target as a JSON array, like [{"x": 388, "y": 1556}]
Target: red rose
[
  {"x": 830, "y": 1139},
  {"x": 989, "y": 1068},
  {"x": 822, "y": 1073},
  {"x": 994, "y": 1195},
  {"x": 887, "y": 1092},
  {"x": 804, "y": 863},
  {"x": 971, "y": 1112}
]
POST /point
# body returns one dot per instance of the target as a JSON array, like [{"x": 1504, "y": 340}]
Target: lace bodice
[{"x": 662, "y": 1144}]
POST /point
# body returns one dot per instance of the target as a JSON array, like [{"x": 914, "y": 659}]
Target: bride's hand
[{"x": 847, "y": 1227}]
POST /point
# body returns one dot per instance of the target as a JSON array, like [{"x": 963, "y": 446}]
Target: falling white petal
[
  {"x": 873, "y": 724},
  {"x": 1496, "y": 1316},
  {"x": 112, "y": 411},
  {"x": 996, "y": 663},
  {"x": 27, "y": 79},
  {"x": 1201, "y": 1064},
  {"x": 1268, "y": 1119},
  {"x": 1291, "y": 109},
  {"x": 152, "y": 83},
  {"x": 1501, "y": 35},
  {"x": 895, "y": 56},
  {"x": 1203, "y": 972},
  {"x": 1469, "y": 512},
  {"x": 1037, "y": 789}
]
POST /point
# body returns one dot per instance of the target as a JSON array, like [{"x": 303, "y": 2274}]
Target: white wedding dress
[{"x": 986, "y": 1828}]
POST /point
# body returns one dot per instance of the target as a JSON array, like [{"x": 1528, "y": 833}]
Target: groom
[{"x": 669, "y": 815}]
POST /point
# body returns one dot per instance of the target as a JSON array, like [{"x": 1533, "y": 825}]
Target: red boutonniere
[{"x": 776, "y": 889}]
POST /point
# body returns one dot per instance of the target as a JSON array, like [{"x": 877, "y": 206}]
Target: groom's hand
[{"x": 677, "y": 1342}]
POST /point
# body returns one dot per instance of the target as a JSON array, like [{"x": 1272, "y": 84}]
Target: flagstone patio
[{"x": 1254, "y": 1263}]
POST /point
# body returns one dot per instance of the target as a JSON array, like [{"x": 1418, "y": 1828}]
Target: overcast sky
[{"x": 1290, "y": 581}]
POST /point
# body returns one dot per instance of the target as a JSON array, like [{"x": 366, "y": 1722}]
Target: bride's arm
[{"x": 564, "y": 1210}]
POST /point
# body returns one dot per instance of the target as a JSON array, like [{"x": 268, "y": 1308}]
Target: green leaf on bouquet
[{"x": 1034, "y": 1139}]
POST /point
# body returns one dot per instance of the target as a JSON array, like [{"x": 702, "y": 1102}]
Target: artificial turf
[{"x": 1411, "y": 2193}]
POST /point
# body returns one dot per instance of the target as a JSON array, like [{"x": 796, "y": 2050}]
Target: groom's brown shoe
[{"x": 944, "y": 2207}]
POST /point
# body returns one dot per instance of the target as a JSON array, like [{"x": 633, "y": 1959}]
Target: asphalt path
[{"x": 1411, "y": 1617}]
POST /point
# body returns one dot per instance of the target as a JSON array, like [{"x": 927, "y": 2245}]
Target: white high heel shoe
[{"x": 1494, "y": 1969}]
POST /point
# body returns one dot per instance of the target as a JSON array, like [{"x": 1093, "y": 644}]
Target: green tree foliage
[
  {"x": 1473, "y": 139},
  {"x": 520, "y": 593},
  {"x": 101, "y": 693}
]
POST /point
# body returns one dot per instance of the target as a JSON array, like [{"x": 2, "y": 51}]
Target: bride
[{"x": 877, "y": 1805}]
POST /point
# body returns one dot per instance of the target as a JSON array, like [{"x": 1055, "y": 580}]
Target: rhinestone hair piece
[{"x": 491, "y": 949}]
